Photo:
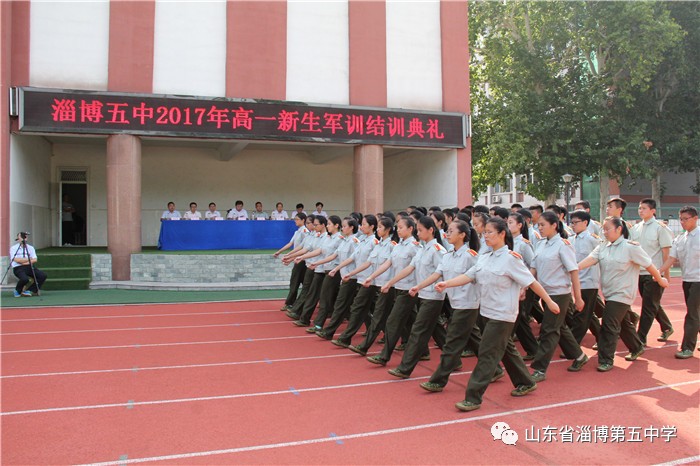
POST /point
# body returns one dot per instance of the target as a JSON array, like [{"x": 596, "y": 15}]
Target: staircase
[{"x": 66, "y": 271}]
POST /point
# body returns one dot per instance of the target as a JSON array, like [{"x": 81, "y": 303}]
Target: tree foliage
[{"x": 558, "y": 87}]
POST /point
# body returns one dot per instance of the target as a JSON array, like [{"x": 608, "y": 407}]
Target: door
[{"x": 73, "y": 208}]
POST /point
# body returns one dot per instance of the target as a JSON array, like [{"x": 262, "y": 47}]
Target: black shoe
[
  {"x": 577, "y": 364},
  {"x": 498, "y": 375},
  {"x": 397, "y": 373},
  {"x": 431, "y": 387},
  {"x": 522, "y": 390},
  {"x": 358, "y": 350},
  {"x": 322, "y": 334},
  {"x": 467, "y": 353},
  {"x": 299, "y": 323},
  {"x": 539, "y": 376},
  {"x": 665, "y": 334},
  {"x": 635, "y": 355},
  {"x": 467, "y": 406},
  {"x": 292, "y": 315},
  {"x": 605, "y": 367},
  {"x": 528, "y": 357},
  {"x": 376, "y": 360},
  {"x": 340, "y": 343}
]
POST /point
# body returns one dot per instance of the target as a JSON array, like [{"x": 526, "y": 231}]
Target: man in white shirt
[
  {"x": 319, "y": 209},
  {"x": 656, "y": 240},
  {"x": 212, "y": 213},
  {"x": 23, "y": 258},
  {"x": 171, "y": 213},
  {"x": 300, "y": 209},
  {"x": 239, "y": 213},
  {"x": 279, "y": 213},
  {"x": 258, "y": 213},
  {"x": 192, "y": 214}
]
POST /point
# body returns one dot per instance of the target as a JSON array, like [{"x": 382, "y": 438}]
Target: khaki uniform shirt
[
  {"x": 426, "y": 262},
  {"x": 653, "y": 237},
  {"x": 584, "y": 243},
  {"x": 554, "y": 259},
  {"x": 380, "y": 253},
  {"x": 619, "y": 268},
  {"x": 686, "y": 248},
  {"x": 346, "y": 248},
  {"x": 456, "y": 263},
  {"x": 401, "y": 257}
]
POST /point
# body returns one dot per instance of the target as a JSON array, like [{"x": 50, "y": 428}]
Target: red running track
[{"x": 225, "y": 383}]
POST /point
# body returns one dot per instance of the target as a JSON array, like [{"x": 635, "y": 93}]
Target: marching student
[
  {"x": 656, "y": 240},
  {"x": 380, "y": 253},
  {"x": 425, "y": 263},
  {"x": 402, "y": 280},
  {"x": 584, "y": 243},
  {"x": 365, "y": 297},
  {"x": 348, "y": 290},
  {"x": 594, "y": 227},
  {"x": 479, "y": 220},
  {"x": 619, "y": 262},
  {"x": 309, "y": 244},
  {"x": 324, "y": 230},
  {"x": 441, "y": 222},
  {"x": 500, "y": 274},
  {"x": 521, "y": 245},
  {"x": 555, "y": 267},
  {"x": 462, "y": 330},
  {"x": 299, "y": 268},
  {"x": 686, "y": 248},
  {"x": 329, "y": 287}
]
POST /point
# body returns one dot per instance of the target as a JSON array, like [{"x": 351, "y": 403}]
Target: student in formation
[
  {"x": 619, "y": 261},
  {"x": 656, "y": 240},
  {"x": 347, "y": 291},
  {"x": 380, "y": 253},
  {"x": 686, "y": 249},
  {"x": 401, "y": 280},
  {"x": 430, "y": 302},
  {"x": 584, "y": 243},
  {"x": 555, "y": 267},
  {"x": 299, "y": 269},
  {"x": 365, "y": 297},
  {"x": 500, "y": 275},
  {"x": 594, "y": 227},
  {"x": 309, "y": 244},
  {"x": 479, "y": 220}
]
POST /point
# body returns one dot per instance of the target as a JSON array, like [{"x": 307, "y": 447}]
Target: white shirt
[
  {"x": 619, "y": 268},
  {"x": 279, "y": 215},
  {"x": 457, "y": 263},
  {"x": 426, "y": 262},
  {"x": 323, "y": 212},
  {"x": 212, "y": 215},
  {"x": 21, "y": 253},
  {"x": 189, "y": 215},
  {"x": 653, "y": 237},
  {"x": 238, "y": 214},
  {"x": 686, "y": 248},
  {"x": 584, "y": 243},
  {"x": 554, "y": 260},
  {"x": 174, "y": 215}
]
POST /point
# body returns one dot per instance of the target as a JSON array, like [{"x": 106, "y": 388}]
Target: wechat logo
[{"x": 502, "y": 431}]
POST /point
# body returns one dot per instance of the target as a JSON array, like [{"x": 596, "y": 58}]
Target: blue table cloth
[{"x": 186, "y": 235}]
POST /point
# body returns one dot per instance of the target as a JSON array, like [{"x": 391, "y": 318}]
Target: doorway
[{"x": 73, "y": 211}]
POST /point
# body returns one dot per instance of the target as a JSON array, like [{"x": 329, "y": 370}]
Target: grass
[{"x": 111, "y": 296}]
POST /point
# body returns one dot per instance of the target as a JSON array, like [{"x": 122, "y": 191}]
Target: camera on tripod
[{"x": 24, "y": 235}]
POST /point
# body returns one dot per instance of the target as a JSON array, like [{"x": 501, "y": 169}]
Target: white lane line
[
  {"x": 689, "y": 459},
  {"x": 136, "y": 315},
  {"x": 194, "y": 366},
  {"x": 145, "y": 345},
  {"x": 180, "y": 366},
  {"x": 396, "y": 430},
  {"x": 131, "y": 329},
  {"x": 178, "y": 303},
  {"x": 237, "y": 395}
]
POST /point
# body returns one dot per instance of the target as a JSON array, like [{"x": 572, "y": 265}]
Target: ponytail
[
  {"x": 562, "y": 230},
  {"x": 471, "y": 238},
  {"x": 553, "y": 219},
  {"x": 619, "y": 223},
  {"x": 501, "y": 226},
  {"x": 410, "y": 223},
  {"x": 388, "y": 224},
  {"x": 523, "y": 225},
  {"x": 428, "y": 223}
]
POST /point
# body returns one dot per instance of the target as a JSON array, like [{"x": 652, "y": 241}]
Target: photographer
[{"x": 23, "y": 259}]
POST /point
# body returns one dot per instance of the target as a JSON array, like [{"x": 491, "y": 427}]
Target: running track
[{"x": 235, "y": 382}]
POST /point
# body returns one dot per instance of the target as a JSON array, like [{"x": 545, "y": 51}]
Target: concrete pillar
[
  {"x": 368, "y": 178},
  {"x": 123, "y": 202}
]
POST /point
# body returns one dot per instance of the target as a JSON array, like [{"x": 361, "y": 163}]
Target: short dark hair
[
  {"x": 193, "y": 204},
  {"x": 525, "y": 213},
  {"x": 536, "y": 207},
  {"x": 501, "y": 212},
  {"x": 583, "y": 203},
  {"x": 688, "y": 209},
  {"x": 301, "y": 216},
  {"x": 649, "y": 202},
  {"x": 319, "y": 203},
  {"x": 618, "y": 202},
  {"x": 300, "y": 206},
  {"x": 258, "y": 203},
  {"x": 481, "y": 208},
  {"x": 555, "y": 208},
  {"x": 239, "y": 202},
  {"x": 581, "y": 215},
  {"x": 212, "y": 204},
  {"x": 171, "y": 202},
  {"x": 516, "y": 206}
]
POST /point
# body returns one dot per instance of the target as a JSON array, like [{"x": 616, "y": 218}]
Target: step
[
  {"x": 67, "y": 284},
  {"x": 64, "y": 260},
  {"x": 64, "y": 272}
]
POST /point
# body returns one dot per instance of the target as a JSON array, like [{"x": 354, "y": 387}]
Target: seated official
[
  {"x": 279, "y": 213},
  {"x": 239, "y": 213},
  {"x": 212, "y": 213},
  {"x": 23, "y": 258},
  {"x": 193, "y": 214},
  {"x": 171, "y": 213},
  {"x": 258, "y": 213}
]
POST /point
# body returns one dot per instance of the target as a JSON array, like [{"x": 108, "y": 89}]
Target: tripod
[{"x": 25, "y": 253}]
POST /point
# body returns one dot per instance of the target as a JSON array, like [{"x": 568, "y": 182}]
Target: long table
[{"x": 186, "y": 235}]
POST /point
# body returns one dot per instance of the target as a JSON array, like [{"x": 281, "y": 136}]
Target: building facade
[{"x": 380, "y": 54}]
